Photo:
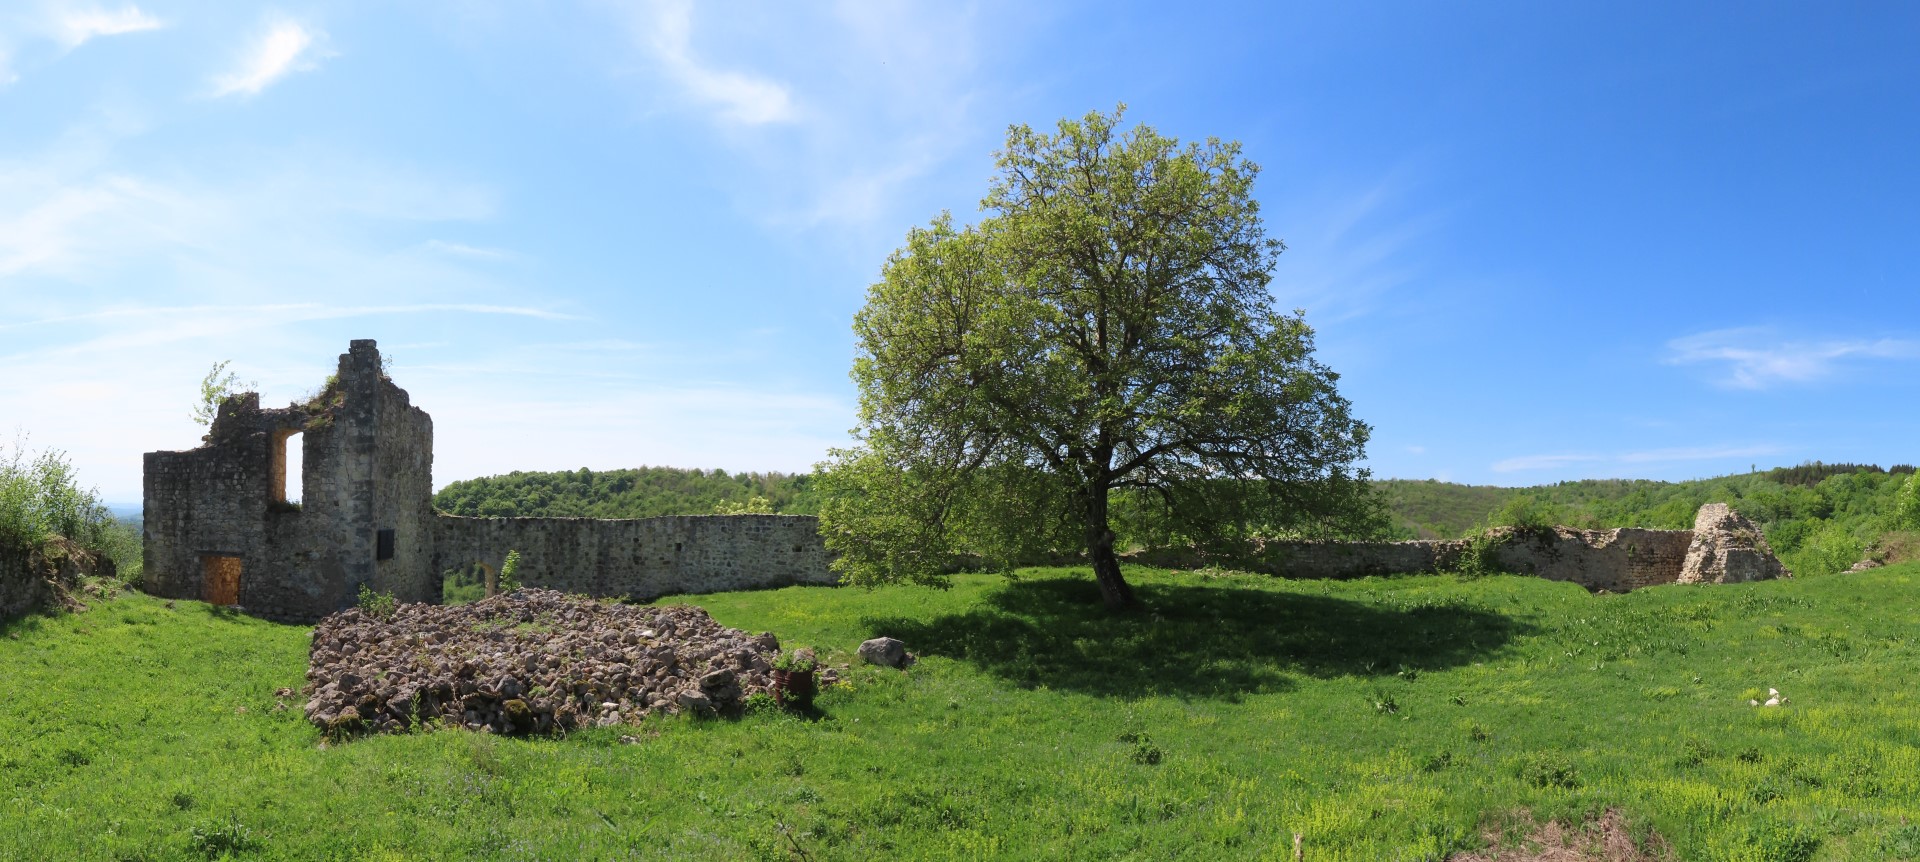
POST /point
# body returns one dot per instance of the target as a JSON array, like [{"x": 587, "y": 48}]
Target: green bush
[
  {"x": 379, "y": 605},
  {"x": 1906, "y": 504},
  {"x": 510, "y": 572},
  {"x": 40, "y": 498},
  {"x": 1829, "y": 549}
]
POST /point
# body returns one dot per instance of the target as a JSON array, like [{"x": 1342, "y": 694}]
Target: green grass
[{"x": 1381, "y": 719}]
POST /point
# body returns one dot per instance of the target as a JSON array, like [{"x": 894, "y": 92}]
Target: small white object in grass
[
  {"x": 1753, "y": 703},
  {"x": 1772, "y": 701},
  {"x": 1773, "y": 692}
]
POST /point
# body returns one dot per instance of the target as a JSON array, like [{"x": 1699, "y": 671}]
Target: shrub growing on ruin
[
  {"x": 219, "y": 385},
  {"x": 510, "y": 572},
  {"x": 379, "y": 605}
]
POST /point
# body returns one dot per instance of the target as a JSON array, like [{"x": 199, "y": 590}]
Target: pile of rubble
[{"x": 530, "y": 661}]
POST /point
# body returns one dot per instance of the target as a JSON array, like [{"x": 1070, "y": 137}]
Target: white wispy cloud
[
  {"x": 850, "y": 114},
  {"x": 1350, "y": 246},
  {"x": 456, "y": 249},
  {"x": 69, "y": 213},
  {"x": 739, "y": 97},
  {"x": 1699, "y": 453},
  {"x": 75, "y": 26},
  {"x": 1539, "y": 462},
  {"x": 1757, "y": 358},
  {"x": 1649, "y": 456},
  {"x": 273, "y": 315},
  {"x": 287, "y": 46},
  {"x": 24, "y": 25}
]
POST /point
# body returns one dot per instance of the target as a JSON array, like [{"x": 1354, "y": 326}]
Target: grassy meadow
[{"x": 1379, "y": 719}]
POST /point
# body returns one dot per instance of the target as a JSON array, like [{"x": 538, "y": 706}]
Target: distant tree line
[
  {"x": 1813, "y": 472},
  {"x": 645, "y": 492}
]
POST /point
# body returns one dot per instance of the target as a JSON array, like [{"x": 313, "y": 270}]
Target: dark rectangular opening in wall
[
  {"x": 220, "y": 579},
  {"x": 383, "y": 545}
]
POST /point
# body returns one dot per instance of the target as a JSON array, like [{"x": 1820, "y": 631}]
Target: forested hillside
[{"x": 646, "y": 492}]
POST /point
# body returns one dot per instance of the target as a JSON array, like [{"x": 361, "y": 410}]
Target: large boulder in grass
[
  {"x": 886, "y": 652},
  {"x": 1728, "y": 549}
]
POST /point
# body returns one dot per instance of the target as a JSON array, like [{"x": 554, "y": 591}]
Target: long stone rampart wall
[
  {"x": 641, "y": 558},
  {"x": 1613, "y": 560}
]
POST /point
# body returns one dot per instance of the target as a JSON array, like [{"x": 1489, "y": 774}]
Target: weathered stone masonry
[
  {"x": 35, "y": 579},
  {"x": 218, "y": 525},
  {"x": 1723, "y": 547},
  {"x": 644, "y": 558}
]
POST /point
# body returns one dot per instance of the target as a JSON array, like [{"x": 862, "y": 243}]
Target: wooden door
[{"x": 222, "y": 579}]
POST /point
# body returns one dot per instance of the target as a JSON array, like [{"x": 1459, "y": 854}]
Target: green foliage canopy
[
  {"x": 40, "y": 497},
  {"x": 644, "y": 492},
  {"x": 1106, "y": 329},
  {"x": 1906, "y": 504}
]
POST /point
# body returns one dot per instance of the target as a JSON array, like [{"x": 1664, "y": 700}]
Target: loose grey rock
[
  {"x": 886, "y": 652},
  {"x": 531, "y": 661},
  {"x": 693, "y": 701}
]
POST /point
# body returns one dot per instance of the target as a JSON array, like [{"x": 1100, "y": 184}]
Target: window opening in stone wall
[
  {"x": 220, "y": 578},
  {"x": 383, "y": 545},
  {"x": 289, "y": 468}
]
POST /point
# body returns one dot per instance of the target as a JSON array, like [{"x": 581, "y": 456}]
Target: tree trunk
[{"x": 1106, "y": 564}]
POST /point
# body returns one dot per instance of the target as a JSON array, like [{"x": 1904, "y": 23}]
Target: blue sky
[{"x": 1539, "y": 241}]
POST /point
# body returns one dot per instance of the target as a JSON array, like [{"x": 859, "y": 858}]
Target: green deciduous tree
[
  {"x": 1105, "y": 332},
  {"x": 1906, "y": 504}
]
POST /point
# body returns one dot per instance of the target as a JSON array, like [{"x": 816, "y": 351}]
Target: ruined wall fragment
[
  {"x": 1615, "y": 560},
  {"x": 366, "y": 467},
  {"x": 641, "y": 558},
  {"x": 1727, "y": 548}
]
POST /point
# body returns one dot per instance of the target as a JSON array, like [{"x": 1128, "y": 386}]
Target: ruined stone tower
[{"x": 220, "y": 526}]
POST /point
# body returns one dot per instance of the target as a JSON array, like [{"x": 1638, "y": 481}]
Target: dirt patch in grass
[{"x": 1605, "y": 839}]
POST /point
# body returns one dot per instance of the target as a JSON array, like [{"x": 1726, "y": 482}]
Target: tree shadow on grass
[{"x": 1195, "y": 641}]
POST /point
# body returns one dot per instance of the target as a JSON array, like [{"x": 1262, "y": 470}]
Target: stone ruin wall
[
  {"x": 366, "y": 467},
  {"x": 37, "y": 579},
  {"x": 1612, "y": 560},
  {"x": 1723, "y": 547},
  {"x": 641, "y": 558},
  {"x": 21, "y": 589},
  {"x": 367, "y": 472}
]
